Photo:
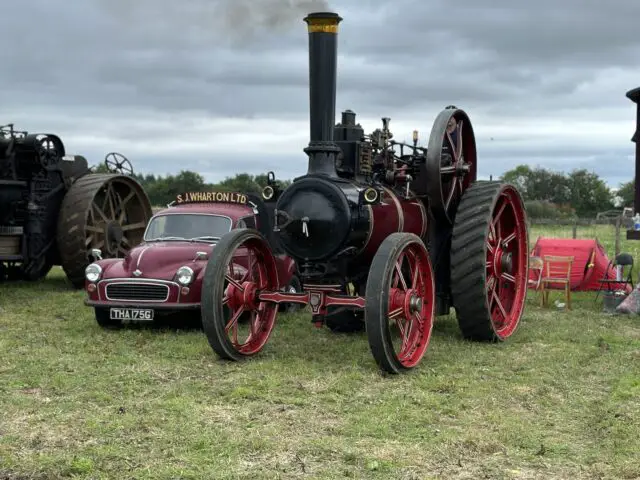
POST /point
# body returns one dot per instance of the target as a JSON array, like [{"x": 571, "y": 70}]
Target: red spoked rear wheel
[
  {"x": 236, "y": 322},
  {"x": 489, "y": 261},
  {"x": 400, "y": 303}
]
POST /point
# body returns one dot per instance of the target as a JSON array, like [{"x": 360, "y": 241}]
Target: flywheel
[{"x": 104, "y": 211}]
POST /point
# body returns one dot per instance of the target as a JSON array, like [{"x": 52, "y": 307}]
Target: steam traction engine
[
  {"x": 54, "y": 210},
  {"x": 386, "y": 235}
]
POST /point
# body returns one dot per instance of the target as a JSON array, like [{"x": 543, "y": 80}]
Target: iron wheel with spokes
[
  {"x": 237, "y": 323},
  {"x": 489, "y": 261},
  {"x": 400, "y": 303}
]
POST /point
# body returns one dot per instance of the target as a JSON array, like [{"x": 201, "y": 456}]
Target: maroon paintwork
[
  {"x": 158, "y": 262},
  {"x": 394, "y": 214}
]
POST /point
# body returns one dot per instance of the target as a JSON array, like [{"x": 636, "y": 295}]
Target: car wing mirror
[{"x": 200, "y": 256}]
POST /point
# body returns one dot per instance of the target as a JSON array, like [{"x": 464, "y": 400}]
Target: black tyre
[
  {"x": 401, "y": 293},
  {"x": 102, "y": 317},
  {"x": 489, "y": 261}
]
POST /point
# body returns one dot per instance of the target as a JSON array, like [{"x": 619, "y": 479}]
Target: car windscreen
[{"x": 187, "y": 226}]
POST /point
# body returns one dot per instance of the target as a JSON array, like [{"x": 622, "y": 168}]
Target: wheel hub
[
  {"x": 502, "y": 262},
  {"x": 250, "y": 295},
  {"x": 114, "y": 236},
  {"x": 461, "y": 168},
  {"x": 506, "y": 263},
  {"x": 242, "y": 297},
  {"x": 415, "y": 303},
  {"x": 409, "y": 301}
]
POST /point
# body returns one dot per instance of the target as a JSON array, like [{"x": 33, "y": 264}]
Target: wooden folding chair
[
  {"x": 557, "y": 270},
  {"x": 536, "y": 265}
]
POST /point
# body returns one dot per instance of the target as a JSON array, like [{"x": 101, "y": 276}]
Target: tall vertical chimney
[
  {"x": 323, "y": 59},
  {"x": 634, "y": 96}
]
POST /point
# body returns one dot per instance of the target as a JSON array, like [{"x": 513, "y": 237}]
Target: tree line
[
  {"x": 162, "y": 189},
  {"x": 547, "y": 194},
  {"x": 579, "y": 193}
]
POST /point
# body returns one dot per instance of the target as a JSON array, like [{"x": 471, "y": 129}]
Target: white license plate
[{"x": 131, "y": 314}]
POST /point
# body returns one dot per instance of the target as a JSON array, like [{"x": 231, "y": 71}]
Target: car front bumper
[
  {"x": 138, "y": 293},
  {"x": 159, "y": 307}
]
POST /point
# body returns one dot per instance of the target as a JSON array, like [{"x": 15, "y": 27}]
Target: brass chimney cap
[{"x": 323, "y": 22}]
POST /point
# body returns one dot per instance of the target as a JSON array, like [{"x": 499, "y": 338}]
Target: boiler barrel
[
  {"x": 392, "y": 215},
  {"x": 318, "y": 219}
]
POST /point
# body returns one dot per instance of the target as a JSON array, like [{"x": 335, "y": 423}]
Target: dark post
[
  {"x": 323, "y": 60},
  {"x": 634, "y": 96}
]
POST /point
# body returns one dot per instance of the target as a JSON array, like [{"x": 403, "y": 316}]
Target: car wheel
[
  {"x": 102, "y": 317},
  {"x": 295, "y": 286}
]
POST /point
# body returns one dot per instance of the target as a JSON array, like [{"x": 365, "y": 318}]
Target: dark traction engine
[
  {"x": 386, "y": 235},
  {"x": 55, "y": 211}
]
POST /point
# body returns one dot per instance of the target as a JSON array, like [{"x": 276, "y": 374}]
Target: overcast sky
[{"x": 220, "y": 87}]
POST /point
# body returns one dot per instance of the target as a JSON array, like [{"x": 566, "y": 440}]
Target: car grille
[{"x": 149, "y": 292}]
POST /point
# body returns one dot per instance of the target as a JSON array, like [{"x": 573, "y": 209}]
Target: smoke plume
[
  {"x": 229, "y": 21},
  {"x": 244, "y": 16}
]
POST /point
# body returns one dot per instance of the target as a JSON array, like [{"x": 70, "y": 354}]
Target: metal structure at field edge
[
  {"x": 634, "y": 96},
  {"x": 386, "y": 235},
  {"x": 54, "y": 210}
]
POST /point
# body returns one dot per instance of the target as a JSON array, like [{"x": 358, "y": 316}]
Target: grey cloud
[
  {"x": 124, "y": 60},
  {"x": 576, "y": 33},
  {"x": 519, "y": 58}
]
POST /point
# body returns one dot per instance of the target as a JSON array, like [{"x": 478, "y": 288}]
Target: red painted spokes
[
  {"x": 506, "y": 263},
  {"x": 411, "y": 308},
  {"x": 248, "y": 321},
  {"x": 453, "y": 169}
]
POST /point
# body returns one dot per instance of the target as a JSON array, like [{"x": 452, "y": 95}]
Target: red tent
[{"x": 590, "y": 262}]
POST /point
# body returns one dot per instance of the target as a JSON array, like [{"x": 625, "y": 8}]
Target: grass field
[{"x": 561, "y": 399}]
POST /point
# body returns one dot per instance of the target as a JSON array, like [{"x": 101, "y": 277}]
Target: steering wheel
[
  {"x": 118, "y": 163},
  {"x": 48, "y": 154}
]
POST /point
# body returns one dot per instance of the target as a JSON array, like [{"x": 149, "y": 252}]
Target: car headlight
[
  {"x": 184, "y": 275},
  {"x": 93, "y": 272}
]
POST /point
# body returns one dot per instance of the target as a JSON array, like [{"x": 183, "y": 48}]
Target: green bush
[{"x": 546, "y": 209}]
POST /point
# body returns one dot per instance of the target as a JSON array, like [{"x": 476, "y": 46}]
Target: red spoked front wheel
[
  {"x": 489, "y": 261},
  {"x": 400, "y": 303},
  {"x": 237, "y": 324}
]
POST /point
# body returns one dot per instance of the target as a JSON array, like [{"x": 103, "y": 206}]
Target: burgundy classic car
[{"x": 163, "y": 275}]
